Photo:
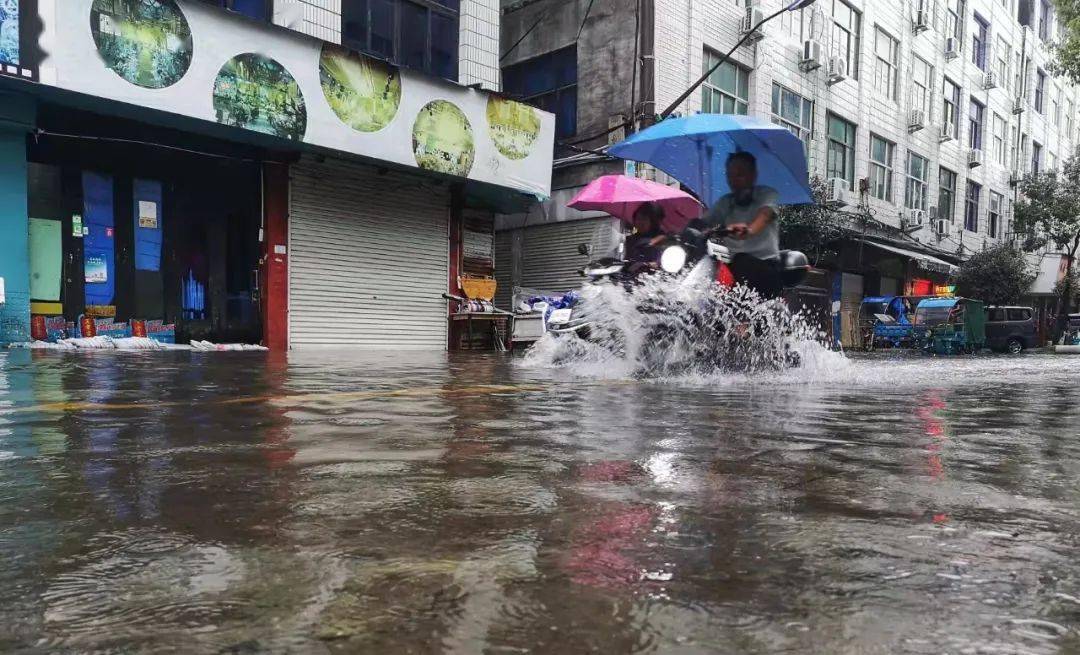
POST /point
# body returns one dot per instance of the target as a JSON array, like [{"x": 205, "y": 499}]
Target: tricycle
[{"x": 949, "y": 326}]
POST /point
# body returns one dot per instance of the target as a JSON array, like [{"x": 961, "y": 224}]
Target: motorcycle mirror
[
  {"x": 673, "y": 259},
  {"x": 584, "y": 249}
]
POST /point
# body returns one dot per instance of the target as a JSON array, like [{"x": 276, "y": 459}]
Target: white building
[{"x": 927, "y": 110}]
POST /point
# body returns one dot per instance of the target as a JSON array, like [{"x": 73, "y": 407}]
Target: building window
[
  {"x": 975, "y": 131},
  {"x": 999, "y": 139},
  {"x": 841, "y": 159},
  {"x": 971, "y": 207},
  {"x": 951, "y": 106},
  {"x": 881, "y": 168},
  {"x": 954, "y": 19},
  {"x": 1051, "y": 161},
  {"x": 994, "y": 215},
  {"x": 887, "y": 53},
  {"x": 794, "y": 112},
  {"x": 1046, "y": 19},
  {"x": 549, "y": 82},
  {"x": 1025, "y": 11},
  {"x": 1055, "y": 106},
  {"x": 727, "y": 91},
  {"x": 847, "y": 32},
  {"x": 1001, "y": 52},
  {"x": 922, "y": 75},
  {"x": 793, "y": 24},
  {"x": 980, "y": 42},
  {"x": 1036, "y": 157},
  {"x": 1068, "y": 119},
  {"x": 918, "y": 178},
  {"x": 946, "y": 193},
  {"x": 257, "y": 9},
  {"x": 417, "y": 34},
  {"x": 1040, "y": 90}
]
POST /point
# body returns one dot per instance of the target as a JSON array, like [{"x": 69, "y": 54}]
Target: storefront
[
  {"x": 138, "y": 236},
  {"x": 301, "y": 196}
]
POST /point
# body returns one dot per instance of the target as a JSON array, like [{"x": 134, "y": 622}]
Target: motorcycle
[{"x": 687, "y": 324}]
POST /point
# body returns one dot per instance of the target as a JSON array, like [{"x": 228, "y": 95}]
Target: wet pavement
[{"x": 324, "y": 503}]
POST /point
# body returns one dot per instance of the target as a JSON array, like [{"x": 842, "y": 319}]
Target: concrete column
[{"x": 15, "y": 117}]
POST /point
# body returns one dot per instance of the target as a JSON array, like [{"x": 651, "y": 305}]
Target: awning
[
  {"x": 924, "y": 261},
  {"x": 1051, "y": 271}
]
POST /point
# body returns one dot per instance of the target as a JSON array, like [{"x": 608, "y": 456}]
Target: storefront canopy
[
  {"x": 923, "y": 260},
  {"x": 1051, "y": 271}
]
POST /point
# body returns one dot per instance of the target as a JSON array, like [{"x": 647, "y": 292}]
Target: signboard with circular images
[
  {"x": 443, "y": 139},
  {"x": 513, "y": 127},
  {"x": 257, "y": 93},
  {"x": 364, "y": 93},
  {"x": 146, "y": 42}
]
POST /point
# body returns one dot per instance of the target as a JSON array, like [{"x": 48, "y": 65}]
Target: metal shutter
[
  {"x": 504, "y": 269},
  {"x": 550, "y": 258},
  {"x": 368, "y": 259}
]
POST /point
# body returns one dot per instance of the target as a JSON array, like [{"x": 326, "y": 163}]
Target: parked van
[{"x": 1011, "y": 329}]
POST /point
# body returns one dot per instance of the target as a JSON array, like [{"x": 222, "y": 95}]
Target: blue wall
[{"x": 14, "y": 223}]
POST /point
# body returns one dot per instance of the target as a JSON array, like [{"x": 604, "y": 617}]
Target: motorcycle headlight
[{"x": 673, "y": 259}]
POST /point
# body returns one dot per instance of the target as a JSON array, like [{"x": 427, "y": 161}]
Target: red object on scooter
[
  {"x": 37, "y": 328},
  {"x": 724, "y": 276}
]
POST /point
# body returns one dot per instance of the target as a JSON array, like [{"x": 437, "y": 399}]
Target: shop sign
[
  {"x": 188, "y": 58},
  {"x": 933, "y": 267},
  {"x": 76, "y": 226},
  {"x": 14, "y": 35},
  {"x": 947, "y": 290}
]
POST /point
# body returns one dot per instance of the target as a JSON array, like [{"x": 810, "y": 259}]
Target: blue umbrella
[{"x": 694, "y": 150}]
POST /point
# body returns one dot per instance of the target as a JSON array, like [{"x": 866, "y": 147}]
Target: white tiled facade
[
  {"x": 478, "y": 43},
  {"x": 685, "y": 28}
]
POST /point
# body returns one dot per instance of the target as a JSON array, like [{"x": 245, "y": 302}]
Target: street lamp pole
[{"x": 794, "y": 6}]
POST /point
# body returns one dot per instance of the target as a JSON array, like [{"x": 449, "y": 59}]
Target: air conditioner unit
[
  {"x": 1018, "y": 106},
  {"x": 942, "y": 227},
  {"x": 952, "y": 47},
  {"x": 838, "y": 192},
  {"x": 837, "y": 69},
  {"x": 921, "y": 23},
  {"x": 975, "y": 158},
  {"x": 811, "y": 56},
  {"x": 914, "y": 218},
  {"x": 754, "y": 18},
  {"x": 948, "y": 132},
  {"x": 990, "y": 81},
  {"x": 917, "y": 120}
]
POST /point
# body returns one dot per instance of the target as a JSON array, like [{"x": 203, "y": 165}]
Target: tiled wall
[
  {"x": 685, "y": 27},
  {"x": 479, "y": 45},
  {"x": 478, "y": 49}
]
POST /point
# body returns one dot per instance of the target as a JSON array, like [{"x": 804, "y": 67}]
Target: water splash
[{"x": 684, "y": 327}]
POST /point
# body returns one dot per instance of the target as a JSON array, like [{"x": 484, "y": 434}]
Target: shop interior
[{"x": 139, "y": 230}]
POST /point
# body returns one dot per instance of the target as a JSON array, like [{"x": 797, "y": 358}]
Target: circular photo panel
[
  {"x": 257, "y": 93},
  {"x": 513, "y": 127},
  {"x": 146, "y": 42},
  {"x": 365, "y": 93},
  {"x": 443, "y": 139}
]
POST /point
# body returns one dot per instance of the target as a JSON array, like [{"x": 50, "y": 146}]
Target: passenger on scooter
[
  {"x": 644, "y": 245},
  {"x": 749, "y": 212}
]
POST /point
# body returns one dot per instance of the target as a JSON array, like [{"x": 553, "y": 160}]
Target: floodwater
[{"x": 336, "y": 503}]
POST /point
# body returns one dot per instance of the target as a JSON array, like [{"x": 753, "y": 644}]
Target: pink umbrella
[{"x": 621, "y": 196}]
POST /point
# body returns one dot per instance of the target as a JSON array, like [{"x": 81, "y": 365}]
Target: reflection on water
[{"x": 343, "y": 503}]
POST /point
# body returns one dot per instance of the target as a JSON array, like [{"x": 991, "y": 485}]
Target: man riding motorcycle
[{"x": 749, "y": 214}]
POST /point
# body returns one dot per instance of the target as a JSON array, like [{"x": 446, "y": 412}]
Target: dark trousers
[{"x": 762, "y": 275}]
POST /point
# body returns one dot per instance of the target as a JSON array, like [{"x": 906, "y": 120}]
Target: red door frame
[{"x": 274, "y": 263}]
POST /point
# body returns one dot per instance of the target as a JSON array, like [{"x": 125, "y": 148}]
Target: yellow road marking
[{"x": 477, "y": 390}]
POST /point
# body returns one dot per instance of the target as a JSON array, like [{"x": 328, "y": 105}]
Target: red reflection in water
[
  {"x": 929, "y": 404},
  {"x": 610, "y": 471},
  {"x": 598, "y": 556}
]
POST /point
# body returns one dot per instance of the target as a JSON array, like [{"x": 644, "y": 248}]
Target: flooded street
[{"x": 397, "y": 503}]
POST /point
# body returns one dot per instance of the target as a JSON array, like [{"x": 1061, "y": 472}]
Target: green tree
[
  {"x": 812, "y": 228},
  {"x": 1067, "y": 53},
  {"x": 998, "y": 276},
  {"x": 1048, "y": 214}
]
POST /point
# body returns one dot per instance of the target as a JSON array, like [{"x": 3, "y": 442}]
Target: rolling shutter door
[
  {"x": 368, "y": 259},
  {"x": 550, "y": 257},
  {"x": 504, "y": 269}
]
